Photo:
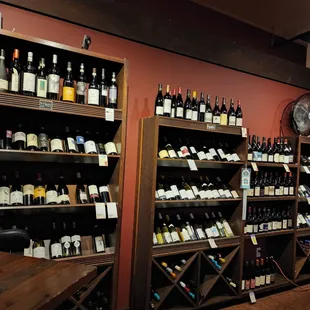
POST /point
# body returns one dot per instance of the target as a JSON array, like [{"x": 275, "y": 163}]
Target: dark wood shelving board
[
  {"x": 161, "y": 204},
  {"x": 53, "y": 207},
  {"x": 300, "y": 232},
  {"x": 275, "y": 198},
  {"x": 275, "y": 165},
  {"x": 271, "y": 234},
  {"x": 97, "y": 259}
]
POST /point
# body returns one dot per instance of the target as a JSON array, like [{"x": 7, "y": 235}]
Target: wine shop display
[
  {"x": 197, "y": 109},
  {"x": 303, "y": 220}
]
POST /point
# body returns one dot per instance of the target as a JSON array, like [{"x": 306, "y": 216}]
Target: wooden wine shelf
[
  {"x": 275, "y": 165},
  {"x": 300, "y": 232},
  {"x": 92, "y": 259},
  {"x": 271, "y": 234},
  {"x": 161, "y": 204},
  {"x": 34, "y": 103},
  {"x": 303, "y": 277},
  {"x": 191, "y": 246},
  {"x": 275, "y": 198},
  {"x": 182, "y": 163},
  {"x": 194, "y": 125},
  {"x": 55, "y": 157},
  {"x": 52, "y": 207},
  {"x": 302, "y": 199}
]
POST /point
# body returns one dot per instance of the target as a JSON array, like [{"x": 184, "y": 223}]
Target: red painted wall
[{"x": 262, "y": 100}]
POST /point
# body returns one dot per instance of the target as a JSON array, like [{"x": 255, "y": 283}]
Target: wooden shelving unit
[{"x": 55, "y": 114}]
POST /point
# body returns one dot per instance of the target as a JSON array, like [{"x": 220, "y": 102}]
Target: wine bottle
[
  {"x": 201, "y": 108},
  {"x": 89, "y": 145},
  {"x": 19, "y": 138},
  {"x": 93, "y": 193},
  {"x": 167, "y": 102},
  {"x": 93, "y": 90},
  {"x": 56, "y": 143},
  {"x": 55, "y": 245},
  {"x": 159, "y": 101},
  {"x": 80, "y": 141},
  {"x": 188, "y": 106},
  {"x": 291, "y": 187},
  {"x": 276, "y": 150},
  {"x": 4, "y": 83},
  {"x": 76, "y": 247},
  {"x": 4, "y": 191},
  {"x": 223, "y": 116},
  {"x": 109, "y": 146},
  {"x": 41, "y": 80},
  {"x": 29, "y": 77},
  {"x": 81, "y": 195},
  {"x": 8, "y": 139},
  {"x": 264, "y": 150},
  {"x": 231, "y": 114},
  {"x": 103, "y": 101},
  {"x": 113, "y": 93},
  {"x": 270, "y": 151},
  {"x": 28, "y": 193},
  {"x": 14, "y": 73},
  {"x": 173, "y": 232},
  {"x": 51, "y": 193},
  {"x": 65, "y": 241},
  {"x": 225, "y": 224},
  {"x": 104, "y": 193},
  {"x": 182, "y": 230},
  {"x": 218, "y": 225},
  {"x": 286, "y": 152},
  {"x": 16, "y": 196},
  {"x": 184, "y": 151},
  {"x": 53, "y": 79},
  {"x": 208, "y": 110},
  {"x": 70, "y": 143},
  {"x": 68, "y": 85},
  {"x": 179, "y": 105},
  {"x": 238, "y": 114},
  {"x": 38, "y": 248},
  {"x": 194, "y": 107},
  {"x": 32, "y": 140},
  {"x": 168, "y": 147},
  {"x": 98, "y": 240},
  {"x": 173, "y": 104},
  {"x": 63, "y": 192},
  {"x": 39, "y": 191},
  {"x": 216, "y": 112},
  {"x": 43, "y": 142},
  {"x": 257, "y": 274},
  {"x": 208, "y": 226},
  {"x": 81, "y": 86}
]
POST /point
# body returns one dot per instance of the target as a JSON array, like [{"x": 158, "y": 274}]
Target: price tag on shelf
[
  {"x": 109, "y": 115},
  {"x": 112, "y": 210},
  {"x": 100, "y": 211},
  {"x": 254, "y": 166},
  {"x": 103, "y": 160},
  {"x": 211, "y": 127},
  {"x": 245, "y": 178},
  {"x": 244, "y": 132},
  {"x": 46, "y": 105},
  {"x": 308, "y": 200},
  {"x": 252, "y": 297},
  {"x": 254, "y": 241},
  {"x": 287, "y": 169},
  {"x": 212, "y": 243},
  {"x": 306, "y": 169},
  {"x": 192, "y": 165}
]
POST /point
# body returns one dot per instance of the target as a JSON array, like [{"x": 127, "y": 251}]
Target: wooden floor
[{"x": 296, "y": 299}]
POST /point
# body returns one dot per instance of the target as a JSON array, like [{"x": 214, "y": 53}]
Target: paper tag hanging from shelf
[
  {"x": 244, "y": 133},
  {"x": 103, "y": 160},
  {"x": 254, "y": 166},
  {"x": 286, "y": 167},
  {"x": 109, "y": 115},
  {"x": 112, "y": 210},
  {"x": 212, "y": 243},
  {"x": 192, "y": 165},
  {"x": 252, "y": 297},
  {"x": 308, "y": 200},
  {"x": 100, "y": 211},
  {"x": 254, "y": 240}
]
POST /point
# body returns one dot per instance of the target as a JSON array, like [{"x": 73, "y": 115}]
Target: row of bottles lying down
[
  {"x": 44, "y": 192},
  {"x": 32, "y": 81},
  {"x": 66, "y": 241},
  {"x": 192, "y": 228},
  {"x": 188, "y": 189},
  {"x": 37, "y": 139},
  {"x": 197, "y": 110}
]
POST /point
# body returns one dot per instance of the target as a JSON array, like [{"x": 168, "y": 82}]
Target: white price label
[
  {"x": 306, "y": 169},
  {"x": 252, "y": 297},
  {"x": 254, "y": 241},
  {"x": 100, "y": 211},
  {"x": 287, "y": 169},
  {"x": 112, "y": 210},
  {"x": 212, "y": 243},
  {"x": 254, "y": 166},
  {"x": 244, "y": 132},
  {"x": 192, "y": 165},
  {"x": 308, "y": 200},
  {"x": 103, "y": 160},
  {"x": 109, "y": 115}
]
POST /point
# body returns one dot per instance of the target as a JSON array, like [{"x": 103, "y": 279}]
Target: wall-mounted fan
[{"x": 296, "y": 117}]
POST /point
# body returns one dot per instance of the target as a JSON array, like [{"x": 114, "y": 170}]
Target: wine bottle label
[
  {"x": 190, "y": 194},
  {"x": 209, "y": 233},
  {"x": 172, "y": 154},
  {"x": 29, "y": 82},
  {"x": 279, "y": 225},
  {"x": 16, "y": 197},
  {"x": 239, "y": 122},
  {"x": 76, "y": 238},
  {"x": 80, "y": 140},
  {"x": 255, "y": 228},
  {"x": 4, "y": 195},
  {"x": 90, "y": 147},
  {"x": 216, "y": 119},
  {"x": 169, "y": 194},
  {"x": 160, "y": 238},
  {"x": 281, "y": 158},
  {"x": 291, "y": 191},
  {"x": 234, "y": 194},
  {"x": 155, "y": 242},
  {"x": 175, "y": 237},
  {"x": 209, "y": 156},
  {"x": 291, "y": 159},
  {"x": 261, "y": 227},
  {"x": 277, "y": 192},
  {"x": 289, "y": 223},
  {"x": 188, "y": 114},
  {"x": 223, "y": 119},
  {"x": 249, "y": 228},
  {"x": 201, "y": 155},
  {"x": 81, "y": 88},
  {"x": 56, "y": 250},
  {"x": 39, "y": 252},
  {"x": 175, "y": 190},
  {"x": 56, "y": 144},
  {"x": 245, "y": 230},
  {"x": 4, "y": 84},
  {"x": 222, "y": 154},
  {"x": 262, "y": 280},
  {"x": 104, "y": 91},
  {"x": 41, "y": 88},
  {"x": 195, "y": 190},
  {"x": 167, "y": 106},
  {"x": 163, "y": 154},
  {"x": 93, "y": 191},
  {"x": 191, "y": 232},
  {"x": 281, "y": 190},
  {"x": 285, "y": 191},
  {"x": 51, "y": 197},
  {"x": 82, "y": 196},
  {"x": 112, "y": 94},
  {"x": 103, "y": 189},
  {"x": 215, "y": 232},
  {"x": 203, "y": 194},
  {"x": 161, "y": 194},
  {"x": 270, "y": 226},
  {"x": 208, "y": 117},
  {"x": 250, "y": 192},
  {"x": 68, "y": 93},
  {"x": 19, "y": 136},
  {"x": 110, "y": 148},
  {"x": 99, "y": 244},
  {"x": 276, "y": 157},
  {"x": 270, "y": 158},
  {"x": 32, "y": 140},
  {"x": 215, "y": 193},
  {"x": 184, "y": 151},
  {"x": 274, "y": 225},
  {"x": 193, "y": 150},
  {"x": 250, "y": 156},
  {"x": 159, "y": 111},
  {"x": 286, "y": 159},
  {"x": 72, "y": 144},
  {"x": 266, "y": 190},
  {"x": 200, "y": 234},
  {"x": 227, "y": 193},
  {"x": 257, "y": 281},
  {"x": 232, "y": 120},
  {"x": 235, "y": 157},
  {"x": 180, "y": 112},
  {"x": 222, "y": 193},
  {"x": 93, "y": 96},
  {"x": 65, "y": 239},
  {"x": 53, "y": 83},
  {"x": 228, "y": 229},
  {"x": 284, "y": 224},
  {"x": 172, "y": 114},
  {"x": 210, "y": 194},
  {"x": 28, "y": 189},
  {"x": 186, "y": 236},
  {"x": 257, "y": 191},
  {"x": 213, "y": 152},
  {"x": 252, "y": 283},
  {"x": 194, "y": 115},
  {"x": 268, "y": 279},
  {"x": 219, "y": 225},
  {"x": 14, "y": 83},
  {"x": 39, "y": 192},
  {"x": 271, "y": 190},
  {"x": 180, "y": 154},
  {"x": 167, "y": 237},
  {"x": 183, "y": 194},
  {"x": 265, "y": 157},
  {"x": 242, "y": 285},
  {"x": 229, "y": 157}
]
